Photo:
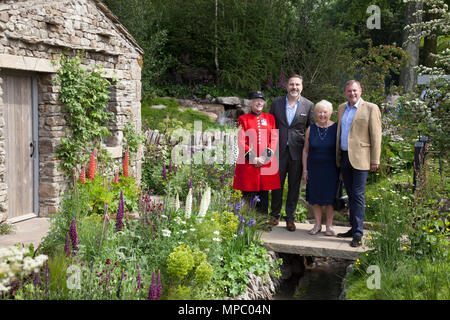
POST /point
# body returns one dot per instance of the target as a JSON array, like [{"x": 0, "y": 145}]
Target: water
[{"x": 322, "y": 280}]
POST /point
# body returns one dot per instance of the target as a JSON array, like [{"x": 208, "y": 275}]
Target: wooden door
[{"x": 18, "y": 116}]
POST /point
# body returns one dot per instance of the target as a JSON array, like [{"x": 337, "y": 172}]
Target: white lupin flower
[
  {"x": 204, "y": 204},
  {"x": 188, "y": 207},
  {"x": 177, "y": 202}
]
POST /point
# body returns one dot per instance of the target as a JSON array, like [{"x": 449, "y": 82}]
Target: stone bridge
[{"x": 302, "y": 243}]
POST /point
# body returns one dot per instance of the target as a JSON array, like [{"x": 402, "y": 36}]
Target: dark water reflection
[{"x": 321, "y": 281}]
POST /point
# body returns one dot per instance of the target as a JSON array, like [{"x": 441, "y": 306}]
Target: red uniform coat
[{"x": 257, "y": 137}]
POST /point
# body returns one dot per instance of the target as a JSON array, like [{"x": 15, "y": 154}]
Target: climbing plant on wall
[{"x": 84, "y": 94}]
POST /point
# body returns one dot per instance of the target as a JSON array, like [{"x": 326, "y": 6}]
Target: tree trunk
[{"x": 408, "y": 78}]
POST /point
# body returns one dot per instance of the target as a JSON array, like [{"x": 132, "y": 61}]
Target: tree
[
  {"x": 411, "y": 43},
  {"x": 430, "y": 112}
]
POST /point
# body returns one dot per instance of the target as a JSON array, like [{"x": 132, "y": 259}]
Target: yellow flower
[{"x": 431, "y": 230}]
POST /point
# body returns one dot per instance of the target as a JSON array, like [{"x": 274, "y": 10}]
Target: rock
[
  {"x": 187, "y": 103},
  {"x": 159, "y": 106},
  {"x": 211, "y": 115},
  {"x": 231, "y": 101}
]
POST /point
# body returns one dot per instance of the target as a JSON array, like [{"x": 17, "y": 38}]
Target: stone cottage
[{"x": 32, "y": 34}]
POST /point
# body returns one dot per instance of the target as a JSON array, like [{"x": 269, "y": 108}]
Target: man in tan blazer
[{"x": 358, "y": 149}]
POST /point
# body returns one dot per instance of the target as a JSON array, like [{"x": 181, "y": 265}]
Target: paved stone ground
[
  {"x": 26, "y": 232},
  {"x": 319, "y": 245}
]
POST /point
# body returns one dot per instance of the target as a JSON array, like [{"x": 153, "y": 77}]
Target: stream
[{"x": 321, "y": 280}]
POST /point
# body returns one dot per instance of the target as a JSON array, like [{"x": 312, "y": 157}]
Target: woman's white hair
[{"x": 325, "y": 104}]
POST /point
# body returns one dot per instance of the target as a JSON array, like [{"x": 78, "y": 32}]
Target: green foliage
[
  {"x": 133, "y": 139},
  {"x": 172, "y": 117},
  {"x": 6, "y": 228},
  {"x": 228, "y": 223},
  {"x": 85, "y": 96}
]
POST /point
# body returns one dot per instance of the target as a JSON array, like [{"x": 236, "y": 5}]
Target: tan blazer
[{"x": 364, "y": 138}]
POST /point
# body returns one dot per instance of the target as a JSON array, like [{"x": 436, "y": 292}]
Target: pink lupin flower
[
  {"x": 83, "y": 174},
  {"x": 92, "y": 166},
  {"x": 116, "y": 177},
  {"x": 126, "y": 162}
]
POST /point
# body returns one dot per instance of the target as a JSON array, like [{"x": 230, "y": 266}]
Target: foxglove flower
[
  {"x": 83, "y": 174},
  {"x": 126, "y": 163},
  {"x": 120, "y": 213},
  {"x": 188, "y": 206},
  {"x": 92, "y": 166},
  {"x": 74, "y": 235}
]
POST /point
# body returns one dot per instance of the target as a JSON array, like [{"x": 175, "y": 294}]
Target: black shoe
[
  {"x": 348, "y": 234},
  {"x": 356, "y": 242}
]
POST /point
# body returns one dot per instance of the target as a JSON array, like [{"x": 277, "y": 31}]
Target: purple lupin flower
[
  {"x": 158, "y": 286},
  {"x": 164, "y": 173},
  {"x": 269, "y": 83},
  {"x": 47, "y": 278},
  {"x": 120, "y": 212},
  {"x": 67, "y": 245},
  {"x": 119, "y": 289},
  {"x": 138, "y": 278},
  {"x": 74, "y": 235},
  {"x": 35, "y": 283},
  {"x": 282, "y": 80},
  {"x": 152, "y": 289}
]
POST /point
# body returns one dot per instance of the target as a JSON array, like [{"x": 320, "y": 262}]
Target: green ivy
[{"x": 85, "y": 96}]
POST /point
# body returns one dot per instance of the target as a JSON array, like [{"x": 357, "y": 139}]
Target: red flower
[
  {"x": 92, "y": 166},
  {"x": 116, "y": 177},
  {"x": 126, "y": 161},
  {"x": 83, "y": 174}
]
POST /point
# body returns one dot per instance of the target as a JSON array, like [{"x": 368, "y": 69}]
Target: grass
[
  {"x": 411, "y": 249},
  {"x": 174, "y": 115},
  {"x": 6, "y": 228}
]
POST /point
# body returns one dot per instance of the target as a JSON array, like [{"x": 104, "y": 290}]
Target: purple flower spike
[
  {"x": 120, "y": 212},
  {"x": 190, "y": 184},
  {"x": 151, "y": 290},
  {"x": 138, "y": 278},
  {"x": 158, "y": 286},
  {"x": 74, "y": 235},
  {"x": 67, "y": 245},
  {"x": 164, "y": 173}
]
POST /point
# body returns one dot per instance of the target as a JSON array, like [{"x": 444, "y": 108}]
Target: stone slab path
[
  {"x": 26, "y": 232},
  {"x": 319, "y": 245}
]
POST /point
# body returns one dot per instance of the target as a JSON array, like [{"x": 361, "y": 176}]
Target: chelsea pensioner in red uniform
[{"x": 256, "y": 166}]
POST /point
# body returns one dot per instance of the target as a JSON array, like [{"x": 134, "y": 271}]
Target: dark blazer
[{"x": 295, "y": 133}]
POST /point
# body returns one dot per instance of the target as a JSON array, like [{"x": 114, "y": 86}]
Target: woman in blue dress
[{"x": 320, "y": 172}]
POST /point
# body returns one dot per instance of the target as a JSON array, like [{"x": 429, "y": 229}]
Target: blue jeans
[{"x": 355, "y": 185}]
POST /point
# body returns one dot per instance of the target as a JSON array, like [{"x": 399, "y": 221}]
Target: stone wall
[{"x": 35, "y": 32}]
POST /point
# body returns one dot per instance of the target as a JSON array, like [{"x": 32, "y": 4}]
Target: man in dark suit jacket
[{"x": 293, "y": 115}]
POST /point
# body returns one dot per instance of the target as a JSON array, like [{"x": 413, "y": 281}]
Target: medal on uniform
[{"x": 263, "y": 122}]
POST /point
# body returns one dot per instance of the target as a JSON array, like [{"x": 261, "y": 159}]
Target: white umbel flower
[{"x": 188, "y": 207}]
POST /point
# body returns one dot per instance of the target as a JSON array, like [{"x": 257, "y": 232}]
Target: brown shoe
[
  {"x": 274, "y": 222},
  {"x": 290, "y": 226}
]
